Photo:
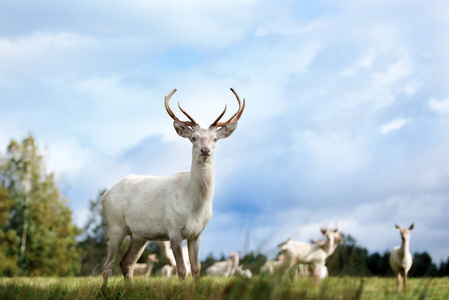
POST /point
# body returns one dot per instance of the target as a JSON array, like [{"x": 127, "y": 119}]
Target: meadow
[{"x": 219, "y": 288}]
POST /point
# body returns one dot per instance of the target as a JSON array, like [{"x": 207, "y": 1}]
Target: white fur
[
  {"x": 167, "y": 271},
  {"x": 224, "y": 268},
  {"x": 401, "y": 259},
  {"x": 243, "y": 272}
]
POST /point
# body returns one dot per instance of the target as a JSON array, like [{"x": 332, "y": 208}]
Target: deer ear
[
  {"x": 226, "y": 131},
  {"x": 397, "y": 227},
  {"x": 323, "y": 231},
  {"x": 411, "y": 227},
  {"x": 182, "y": 130}
]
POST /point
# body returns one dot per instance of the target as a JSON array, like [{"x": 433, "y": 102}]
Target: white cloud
[
  {"x": 441, "y": 107},
  {"x": 333, "y": 153},
  {"x": 39, "y": 44},
  {"x": 66, "y": 156},
  {"x": 396, "y": 124}
]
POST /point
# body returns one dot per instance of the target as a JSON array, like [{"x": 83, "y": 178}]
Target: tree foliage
[{"x": 34, "y": 216}]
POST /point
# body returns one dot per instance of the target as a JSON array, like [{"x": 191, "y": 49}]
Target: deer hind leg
[
  {"x": 116, "y": 236},
  {"x": 133, "y": 253}
]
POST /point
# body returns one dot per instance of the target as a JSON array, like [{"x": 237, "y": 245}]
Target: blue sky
[{"x": 347, "y": 114}]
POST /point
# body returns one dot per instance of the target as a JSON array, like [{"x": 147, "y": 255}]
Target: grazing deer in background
[
  {"x": 401, "y": 259},
  {"x": 304, "y": 253},
  {"x": 170, "y": 208},
  {"x": 272, "y": 266},
  {"x": 224, "y": 268},
  {"x": 145, "y": 269}
]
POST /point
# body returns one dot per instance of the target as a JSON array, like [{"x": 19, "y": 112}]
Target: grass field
[{"x": 219, "y": 288}]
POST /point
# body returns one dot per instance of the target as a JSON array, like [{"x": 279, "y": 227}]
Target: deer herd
[{"x": 178, "y": 207}]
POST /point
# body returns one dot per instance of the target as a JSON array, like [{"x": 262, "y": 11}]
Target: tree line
[{"x": 38, "y": 236}]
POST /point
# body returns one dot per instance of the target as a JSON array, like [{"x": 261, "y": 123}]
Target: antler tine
[
  {"x": 172, "y": 114},
  {"x": 167, "y": 107},
  {"x": 235, "y": 117},
  {"x": 219, "y": 117},
  {"x": 188, "y": 116}
]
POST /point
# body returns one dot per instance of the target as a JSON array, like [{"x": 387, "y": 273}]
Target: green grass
[{"x": 219, "y": 288}]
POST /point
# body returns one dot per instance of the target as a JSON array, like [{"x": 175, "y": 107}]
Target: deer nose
[{"x": 205, "y": 150}]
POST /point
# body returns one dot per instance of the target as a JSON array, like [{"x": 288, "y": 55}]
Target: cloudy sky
[{"x": 347, "y": 114}]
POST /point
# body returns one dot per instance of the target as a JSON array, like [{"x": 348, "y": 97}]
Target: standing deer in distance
[
  {"x": 173, "y": 208},
  {"x": 401, "y": 258}
]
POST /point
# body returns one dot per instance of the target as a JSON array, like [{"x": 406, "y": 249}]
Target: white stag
[
  {"x": 170, "y": 208},
  {"x": 296, "y": 253},
  {"x": 401, "y": 258}
]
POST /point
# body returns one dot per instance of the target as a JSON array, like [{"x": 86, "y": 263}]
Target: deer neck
[
  {"x": 202, "y": 177},
  {"x": 329, "y": 246},
  {"x": 405, "y": 246}
]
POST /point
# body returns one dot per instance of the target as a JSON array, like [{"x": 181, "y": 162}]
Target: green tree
[
  {"x": 444, "y": 268},
  {"x": 8, "y": 238},
  {"x": 38, "y": 219},
  {"x": 254, "y": 262},
  {"x": 422, "y": 266},
  {"x": 379, "y": 265},
  {"x": 93, "y": 246},
  {"x": 348, "y": 259}
]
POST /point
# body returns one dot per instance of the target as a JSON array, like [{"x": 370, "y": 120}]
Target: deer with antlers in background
[
  {"x": 401, "y": 258},
  {"x": 173, "y": 208}
]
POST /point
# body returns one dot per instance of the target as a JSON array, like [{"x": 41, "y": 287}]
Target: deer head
[
  {"x": 332, "y": 234},
  {"x": 405, "y": 232},
  {"x": 204, "y": 140},
  {"x": 153, "y": 258}
]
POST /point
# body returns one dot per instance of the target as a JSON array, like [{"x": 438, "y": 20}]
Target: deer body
[
  {"x": 151, "y": 207},
  {"x": 401, "y": 259},
  {"x": 296, "y": 253},
  {"x": 170, "y": 208}
]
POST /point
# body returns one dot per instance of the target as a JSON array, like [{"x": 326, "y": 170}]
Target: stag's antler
[
  {"x": 235, "y": 117},
  {"x": 192, "y": 122}
]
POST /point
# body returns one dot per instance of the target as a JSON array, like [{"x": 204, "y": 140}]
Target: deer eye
[
  {"x": 215, "y": 139},
  {"x": 193, "y": 139}
]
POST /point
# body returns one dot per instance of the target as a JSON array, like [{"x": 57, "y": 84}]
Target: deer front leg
[
  {"x": 398, "y": 282},
  {"x": 317, "y": 272},
  {"x": 176, "y": 246},
  {"x": 194, "y": 246}
]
